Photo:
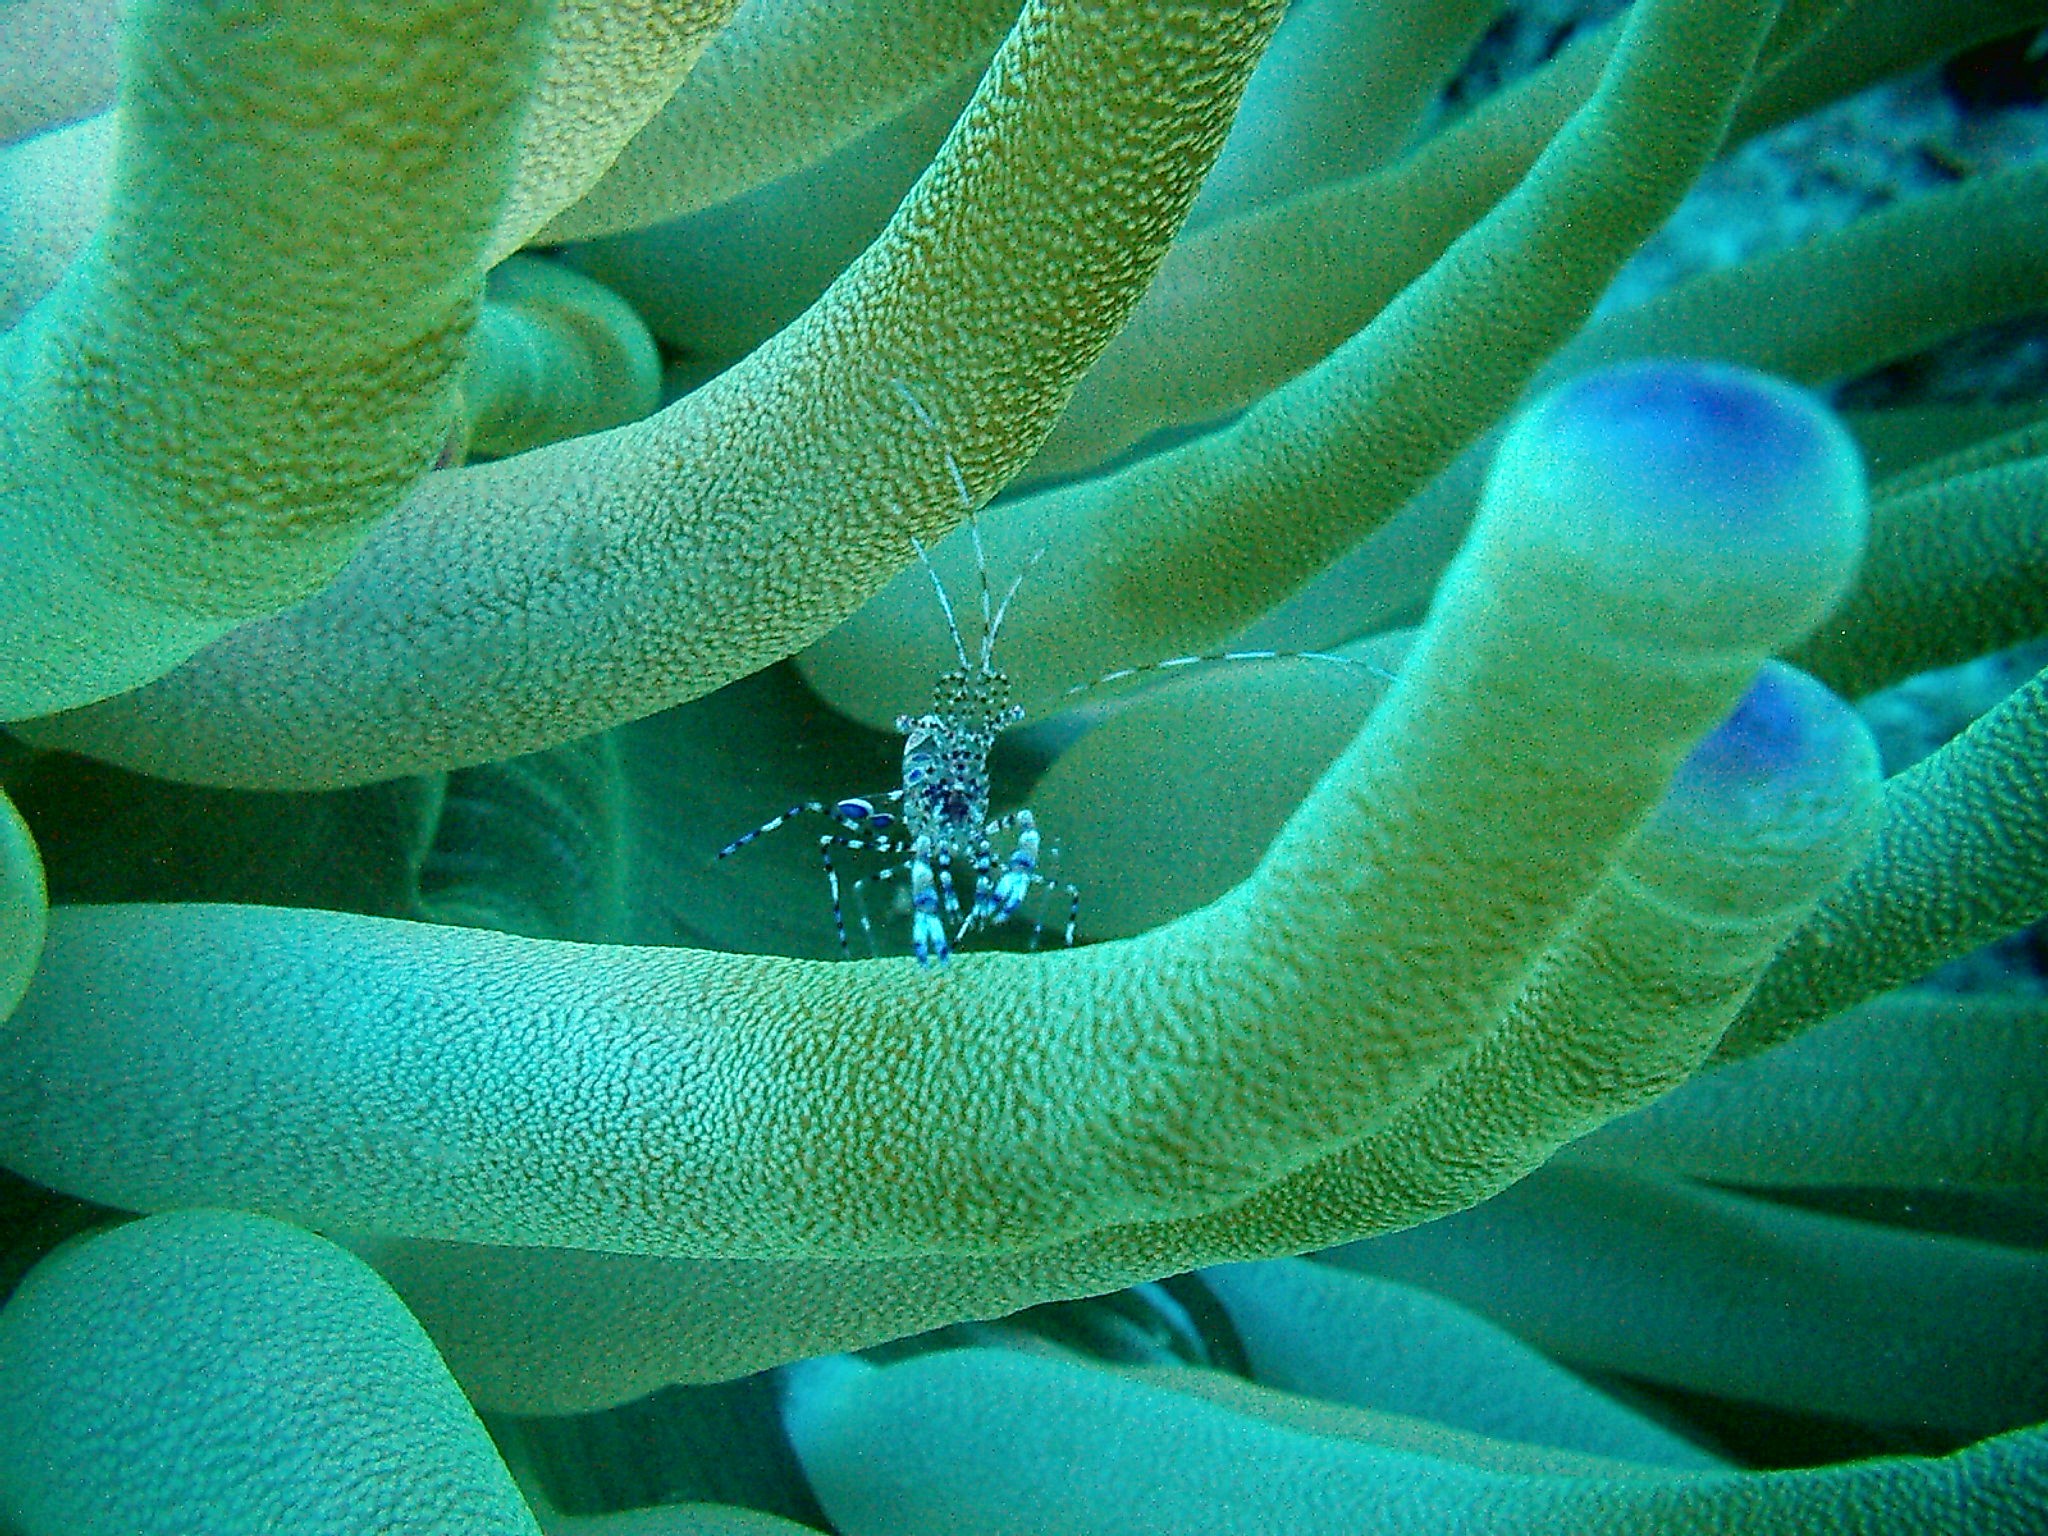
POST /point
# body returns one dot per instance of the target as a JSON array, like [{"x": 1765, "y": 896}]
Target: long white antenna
[
  {"x": 945, "y": 606},
  {"x": 988, "y": 645},
  {"x": 991, "y": 616},
  {"x": 989, "y": 620},
  {"x": 1173, "y": 663}
]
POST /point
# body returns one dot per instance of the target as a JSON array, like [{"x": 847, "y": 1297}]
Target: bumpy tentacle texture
[
  {"x": 53, "y": 196},
  {"x": 1833, "y": 306},
  {"x": 1958, "y": 862},
  {"x": 960, "y": 1441},
  {"x": 1964, "y": 1352},
  {"x": 56, "y": 63},
  {"x": 1365, "y": 429},
  {"x": 556, "y": 356},
  {"x": 1644, "y": 952},
  {"x": 209, "y": 1371},
  {"x": 196, "y": 427},
  {"x": 1246, "y": 305},
  {"x": 1650, "y": 535},
  {"x": 1336, "y": 1335},
  {"x": 1914, "y": 1090},
  {"x": 718, "y": 282},
  {"x": 611, "y": 64},
  {"x": 512, "y": 606},
  {"x": 1309, "y": 118},
  {"x": 1590, "y": 839},
  {"x": 24, "y": 906},
  {"x": 783, "y": 86}
]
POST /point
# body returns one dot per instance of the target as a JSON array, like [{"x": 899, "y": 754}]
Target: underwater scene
[{"x": 1024, "y": 767}]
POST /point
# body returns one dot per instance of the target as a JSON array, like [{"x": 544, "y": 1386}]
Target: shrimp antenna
[
  {"x": 1175, "y": 663},
  {"x": 988, "y": 645},
  {"x": 945, "y": 605},
  {"x": 989, "y": 620},
  {"x": 989, "y": 617}
]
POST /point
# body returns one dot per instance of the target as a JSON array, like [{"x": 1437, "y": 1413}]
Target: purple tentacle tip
[
  {"x": 1785, "y": 739},
  {"x": 1697, "y": 439},
  {"x": 1768, "y": 730}
]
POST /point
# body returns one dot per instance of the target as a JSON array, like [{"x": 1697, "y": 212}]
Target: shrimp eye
[{"x": 853, "y": 810}]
